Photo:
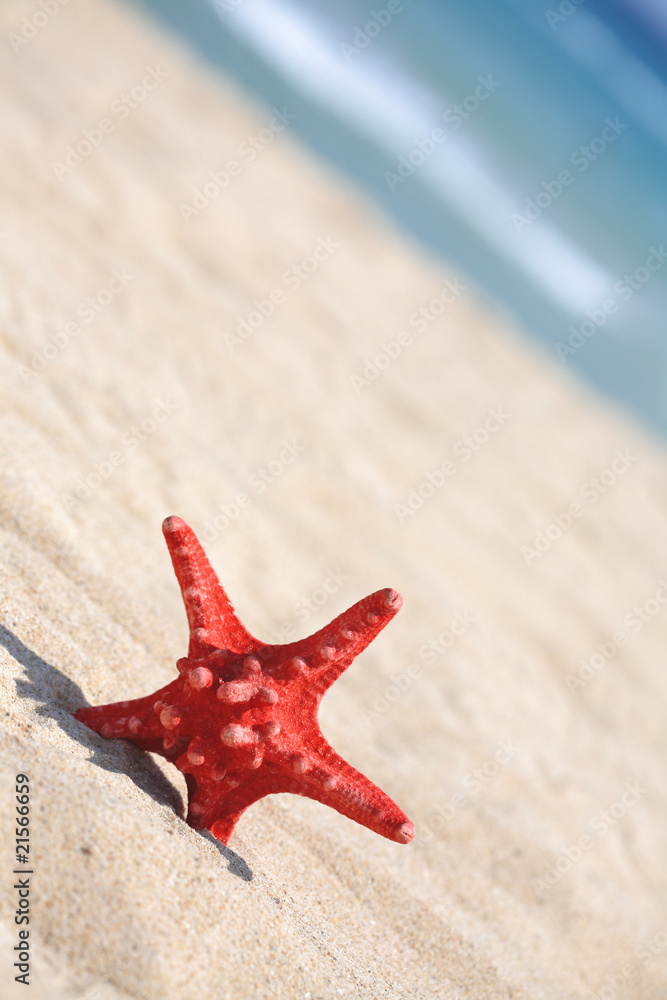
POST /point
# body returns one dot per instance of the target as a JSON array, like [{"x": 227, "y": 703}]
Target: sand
[{"x": 466, "y": 709}]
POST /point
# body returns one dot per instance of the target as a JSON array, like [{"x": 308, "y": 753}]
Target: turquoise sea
[{"x": 524, "y": 142}]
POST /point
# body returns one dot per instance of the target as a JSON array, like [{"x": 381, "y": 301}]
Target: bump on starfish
[{"x": 240, "y": 720}]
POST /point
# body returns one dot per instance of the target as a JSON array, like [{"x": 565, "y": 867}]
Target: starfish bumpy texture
[{"x": 240, "y": 721}]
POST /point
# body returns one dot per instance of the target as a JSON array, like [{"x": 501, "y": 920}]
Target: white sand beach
[{"x": 126, "y": 397}]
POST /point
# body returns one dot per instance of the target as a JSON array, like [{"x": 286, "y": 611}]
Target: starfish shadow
[
  {"x": 236, "y": 865},
  {"x": 56, "y": 697}
]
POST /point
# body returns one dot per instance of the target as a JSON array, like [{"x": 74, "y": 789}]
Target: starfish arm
[
  {"x": 332, "y": 649},
  {"x": 137, "y": 721},
  {"x": 218, "y": 808},
  {"x": 331, "y": 780},
  {"x": 212, "y": 619}
]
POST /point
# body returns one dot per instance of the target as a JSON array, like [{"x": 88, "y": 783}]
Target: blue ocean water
[{"x": 523, "y": 142}]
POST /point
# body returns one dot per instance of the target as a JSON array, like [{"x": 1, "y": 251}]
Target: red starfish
[{"x": 241, "y": 719}]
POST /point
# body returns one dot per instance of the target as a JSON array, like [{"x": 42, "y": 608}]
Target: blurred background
[{"x": 544, "y": 180}]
